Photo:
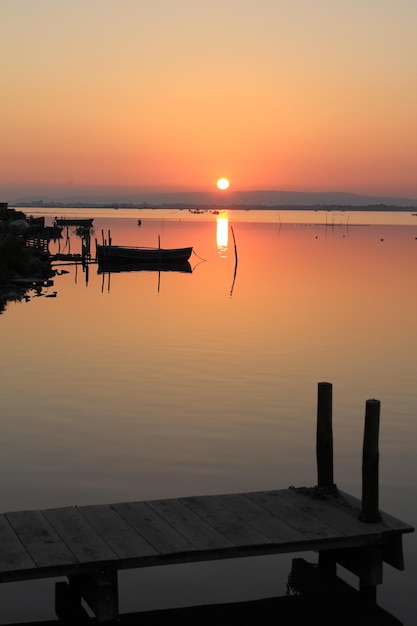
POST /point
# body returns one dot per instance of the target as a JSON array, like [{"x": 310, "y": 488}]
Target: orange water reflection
[
  {"x": 163, "y": 385},
  {"x": 170, "y": 360},
  {"x": 222, "y": 235}
]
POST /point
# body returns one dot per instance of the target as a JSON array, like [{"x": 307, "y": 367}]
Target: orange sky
[{"x": 134, "y": 95}]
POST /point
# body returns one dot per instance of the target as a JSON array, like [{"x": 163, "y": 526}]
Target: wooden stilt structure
[{"x": 90, "y": 544}]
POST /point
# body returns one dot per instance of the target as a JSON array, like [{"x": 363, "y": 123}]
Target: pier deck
[
  {"x": 90, "y": 544},
  {"x": 89, "y": 541},
  {"x": 77, "y": 540}
]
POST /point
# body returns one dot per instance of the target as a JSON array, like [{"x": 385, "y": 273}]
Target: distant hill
[{"x": 229, "y": 198}]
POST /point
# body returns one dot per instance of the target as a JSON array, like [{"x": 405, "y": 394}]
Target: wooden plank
[
  {"x": 391, "y": 523},
  {"x": 13, "y": 555},
  {"x": 312, "y": 528},
  {"x": 116, "y": 532},
  {"x": 135, "y": 534},
  {"x": 235, "y": 528},
  {"x": 202, "y": 535},
  {"x": 83, "y": 541},
  {"x": 268, "y": 524},
  {"x": 162, "y": 536},
  {"x": 343, "y": 513},
  {"x": 334, "y": 512},
  {"x": 40, "y": 539}
]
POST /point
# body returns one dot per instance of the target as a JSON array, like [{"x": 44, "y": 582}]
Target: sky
[{"x": 124, "y": 96}]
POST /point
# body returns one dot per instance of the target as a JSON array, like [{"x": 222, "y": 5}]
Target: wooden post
[
  {"x": 327, "y": 563},
  {"x": 370, "y": 463},
  {"x": 68, "y": 606},
  {"x": 324, "y": 438},
  {"x": 100, "y": 591}
]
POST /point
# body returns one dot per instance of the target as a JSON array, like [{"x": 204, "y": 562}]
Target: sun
[{"x": 223, "y": 184}]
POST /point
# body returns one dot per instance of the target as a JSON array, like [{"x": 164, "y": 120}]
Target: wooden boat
[
  {"x": 124, "y": 254},
  {"x": 74, "y": 221}
]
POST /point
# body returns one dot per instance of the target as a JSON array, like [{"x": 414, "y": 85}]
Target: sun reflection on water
[{"x": 222, "y": 236}]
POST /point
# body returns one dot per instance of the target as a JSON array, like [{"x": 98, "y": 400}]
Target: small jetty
[{"x": 90, "y": 544}]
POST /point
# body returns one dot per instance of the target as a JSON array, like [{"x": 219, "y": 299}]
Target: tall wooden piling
[
  {"x": 324, "y": 436},
  {"x": 370, "y": 463}
]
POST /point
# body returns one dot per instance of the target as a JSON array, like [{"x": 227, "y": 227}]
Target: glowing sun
[{"x": 223, "y": 183}]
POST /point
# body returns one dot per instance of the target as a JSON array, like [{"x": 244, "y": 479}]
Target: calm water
[{"x": 141, "y": 385}]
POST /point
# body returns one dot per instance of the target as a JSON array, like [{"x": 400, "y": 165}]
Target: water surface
[{"x": 144, "y": 385}]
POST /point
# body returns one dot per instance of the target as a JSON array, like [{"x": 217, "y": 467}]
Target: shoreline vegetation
[{"x": 22, "y": 268}]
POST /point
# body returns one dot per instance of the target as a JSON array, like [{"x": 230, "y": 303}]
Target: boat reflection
[{"x": 106, "y": 268}]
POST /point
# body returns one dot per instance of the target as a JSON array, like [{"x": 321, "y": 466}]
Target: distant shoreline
[{"x": 235, "y": 207}]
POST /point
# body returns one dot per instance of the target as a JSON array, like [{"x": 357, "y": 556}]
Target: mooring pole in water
[
  {"x": 324, "y": 438},
  {"x": 234, "y": 275},
  {"x": 370, "y": 463}
]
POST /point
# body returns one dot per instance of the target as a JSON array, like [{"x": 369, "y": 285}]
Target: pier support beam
[
  {"x": 68, "y": 608},
  {"x": 99, "y": 590},
  {"x": 365, "y": 563}
]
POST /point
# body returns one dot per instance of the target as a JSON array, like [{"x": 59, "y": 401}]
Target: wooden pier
[{"x": 90, "y": 544}]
